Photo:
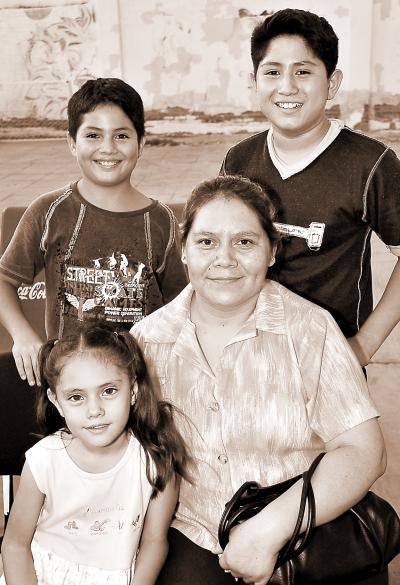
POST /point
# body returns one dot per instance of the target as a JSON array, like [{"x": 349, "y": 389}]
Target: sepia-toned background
[{"x": 190, "y": 61}]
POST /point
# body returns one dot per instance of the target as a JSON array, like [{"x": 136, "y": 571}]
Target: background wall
[{"x": 185, "y": 57}]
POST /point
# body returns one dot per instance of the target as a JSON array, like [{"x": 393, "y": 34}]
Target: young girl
[{"x": 97, "y": 493}]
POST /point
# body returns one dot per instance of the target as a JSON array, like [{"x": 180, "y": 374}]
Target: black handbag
[{"x": 358, "y": 544}]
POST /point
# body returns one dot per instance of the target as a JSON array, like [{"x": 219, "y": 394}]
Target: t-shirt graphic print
[{"x": 113, "y": 288}]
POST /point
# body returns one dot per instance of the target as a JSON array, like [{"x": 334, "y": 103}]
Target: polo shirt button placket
[{"x": 223, "y": 458}]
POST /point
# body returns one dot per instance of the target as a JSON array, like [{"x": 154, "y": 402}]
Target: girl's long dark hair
[{"x": 151, "y": 419}]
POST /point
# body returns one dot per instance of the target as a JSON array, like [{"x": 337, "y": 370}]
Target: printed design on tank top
[
  {"x": 99, "y": 526},
  {"x": 71, "y": 525}
]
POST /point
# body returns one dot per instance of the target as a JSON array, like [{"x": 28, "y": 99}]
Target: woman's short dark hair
[
  {"x": 231, "y": 187},
  {"x": 315, "y": 30},
  {"x": 107, "y": 90}
]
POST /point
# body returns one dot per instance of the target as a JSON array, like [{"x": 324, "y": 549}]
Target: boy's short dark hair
[
  {"x": 315, "y": 30},
  {"x": 107, "y": 90}
]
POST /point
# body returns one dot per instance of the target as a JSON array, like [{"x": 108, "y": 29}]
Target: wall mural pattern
[
  {"x": 58, "y": 61},
  {"x": 189, "y": 56}
]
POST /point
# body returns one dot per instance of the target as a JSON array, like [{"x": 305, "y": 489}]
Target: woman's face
[{"x": 227, "y": 253}]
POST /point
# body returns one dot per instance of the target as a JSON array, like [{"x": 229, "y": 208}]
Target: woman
[{"x": 268, "y": 381}]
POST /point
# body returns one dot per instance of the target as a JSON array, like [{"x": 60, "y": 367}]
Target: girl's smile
[{"x": 97, "y": 428}]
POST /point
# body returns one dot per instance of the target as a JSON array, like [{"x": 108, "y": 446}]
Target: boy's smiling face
[
  {"x": 292, "y": 86},
  {"x": 106, "y": 146}
]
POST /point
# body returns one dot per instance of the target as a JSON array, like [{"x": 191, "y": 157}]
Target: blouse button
[
  {"x": 214, "y": 406},
  {"x": 223, "y": 459}
]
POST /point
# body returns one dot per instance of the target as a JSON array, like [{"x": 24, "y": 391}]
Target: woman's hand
[
  {"x": 354, "y": 460},
  {"x": 250, "y": 554}
]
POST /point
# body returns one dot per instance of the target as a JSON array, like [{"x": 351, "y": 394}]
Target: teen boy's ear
[
  {"x": 141, "y": 145},
  {"x": 334, "y": 83}
]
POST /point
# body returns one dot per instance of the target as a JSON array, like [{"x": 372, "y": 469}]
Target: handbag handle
[{"x": 297, "y": 542}]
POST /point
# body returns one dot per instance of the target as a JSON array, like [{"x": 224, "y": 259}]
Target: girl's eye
[
  {"x": 110, "y": 391},
  {"x": 92, "y": 135},
  {"x": 122, "y": 136},
  {"x": 272, "y": 73},
  {"x": 301, "y": 72},
  {"x": 75, "y": 398},
  {"x": 205, "y": 242}
]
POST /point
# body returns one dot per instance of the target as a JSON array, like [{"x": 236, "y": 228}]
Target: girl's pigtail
[
  {"x": 47, "y": 415},
  {"x": 43, "y": 356},
  {"x": 155, "y": 428}
]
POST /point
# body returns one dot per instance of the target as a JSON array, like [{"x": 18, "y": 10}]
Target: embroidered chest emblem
[{"x": 313, "y": 234}]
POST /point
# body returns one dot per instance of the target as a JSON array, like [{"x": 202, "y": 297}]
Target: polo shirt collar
[
  {"x": 270, "y": 309},
  {"x": 168, "y": 321},
  {"x": 269, "y": 315}
]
